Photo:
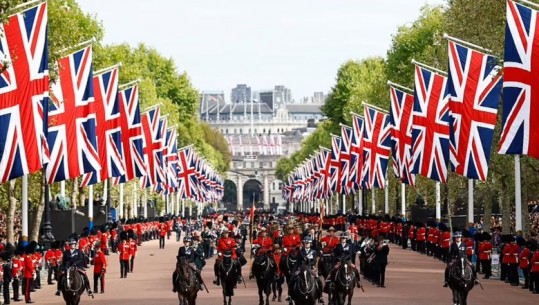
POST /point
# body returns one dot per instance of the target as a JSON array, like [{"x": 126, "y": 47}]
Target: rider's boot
[
  {"x": 446, "y": 278},
  {"x": 174, "y": 275},
  {"x": 199, "y": 280},
  {"x": 216, "y": 281},
  {"x": 358, "y": 280},
  {"x": 57, "y": 293},
  {"x": 279, "y": 295}
]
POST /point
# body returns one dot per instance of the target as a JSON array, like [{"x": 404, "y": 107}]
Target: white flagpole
[
  {"x": 470, "y": 201},
  {"x": 518, "y": 195},
  {"x": 403, "y": 199},
  {"x": 190, "y": 209},
  {"x": 343, "y": 210},
  {"x": 90, "y": 207},
  {"x": 360, "y": 202},
  {"x": 438, "y": 203},
  {"x": 121, "y": 206},
  {"x": 183, "y": 208},
  {"x": 177, "y": 203},
  {"x": 135, "y": 200},
  {"x": 373, "y": 193},
  {"x": 386, "y": 198},
  {"x": 105, "y": 187},
  {"x": 24, "y": 204},
  {"x": 145, "y": 204}
]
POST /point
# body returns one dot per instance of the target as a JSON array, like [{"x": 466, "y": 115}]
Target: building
[
  {"x": 259, "y": 133},
  {"x": 241, "y": 94},
  {"x": 210, "y": 100}
]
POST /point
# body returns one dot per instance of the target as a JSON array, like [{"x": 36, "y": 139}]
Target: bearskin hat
[
  {"x": 532, "y": 245},
  {"x": 131, "y": 234},
  {"x": 466, "y": 233},
  {"x": 507, "y": 238},
  {"x": 123, "y": 235},
  {"x": 485, "y": 236}
]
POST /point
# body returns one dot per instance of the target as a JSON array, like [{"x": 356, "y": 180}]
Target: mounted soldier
[
  {"x": 226, "y": 243},
  {"x": 73, "y": 257},
  {"x": 190, "y": 255}
]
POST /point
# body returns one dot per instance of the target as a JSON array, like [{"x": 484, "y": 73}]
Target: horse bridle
[
  {"x": 347, "y": 277},
  {"x": 68, "y": 279},
  {"x": 307, "y": 284}
]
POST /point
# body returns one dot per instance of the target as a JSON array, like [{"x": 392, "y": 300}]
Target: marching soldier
[
  {"x": 125, "y": 254},
  {"x": 52, "y": 263},
  {"x": 100, "y": 267},
  {"x": 485, "y": 252}
]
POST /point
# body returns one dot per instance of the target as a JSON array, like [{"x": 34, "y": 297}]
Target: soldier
[
  {"x": 485, "y": 252},
  {"x": 290, "y": 241},
  {"x": 52, "y": 263},
  {"x": 276, "y": 284},
  {"x": 330, "y": 240},
  {"x": 264, "y": 244},
  {"x": 524, "y": 262},
  {"x": 457, "y": 251},
  {"x": 16, "y": 272},
  {"x": 534, "y": 270},
  {"x": 206, "y": 241},
  {"x": 510, "y": 259},
  {"x": 100, "y": 267},
  {"x": 29, "y": 271},
  {"x": 73, "y": 257},
  {"x": 133, "y": 248},
  {"x": 124, "y": 250},
  {"x": 226, "y": 244},
  {"x": 421, "y": 238}
]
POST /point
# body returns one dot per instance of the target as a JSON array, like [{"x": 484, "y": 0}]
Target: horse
[
  {"x": 461, "y": 280},
  {"x": 264, "y": 270},
  {"x": 325, "y": 264},
  {"x": 306, "y": 289},
  {"x": 185, "y": 282},
  {"x": 289, "y": 263},
  {"x": 344, "y": 284},
  {"x": 72, "y": 286},
  {"x": 227, "y": 276}
]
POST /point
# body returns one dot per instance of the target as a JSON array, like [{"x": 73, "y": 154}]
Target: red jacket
[
  {"x": 277, "y": 258},
  {"x": 266, "y": 243},
  {"x": 535, "y": 262},
  {"x": 510, "y": 254},
  {"x": 411, "y": 234},
  {"x": 100, "y": 262},
  {"x": 485, "y": 250},
  {"x": 331, "y": 243},
  {"x": 469, "y": 246},
  {"x": 50, "y": 258},
  {"x": 125, "y": 251},
  {"x": 421, "y": 234},
  {"x": 28, "y": 267},
  {"x": 291, "y": 241},
  {"x": 227, "y": 244},
  {"x": 524, "y": 258},
  {"x": 445, "y": 240},
  {"x": 163, "y": 230},
  {"x": 133, "y": 247}
]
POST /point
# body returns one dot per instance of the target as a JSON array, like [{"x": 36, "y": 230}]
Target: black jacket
[
  {"x": 381, "y": 252},
  {"x": 70, "y": 258}
]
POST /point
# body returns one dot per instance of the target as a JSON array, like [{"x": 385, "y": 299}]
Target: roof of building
[
  {"x": 241, "y": 108},
  {"x": 304, "y": 108}
]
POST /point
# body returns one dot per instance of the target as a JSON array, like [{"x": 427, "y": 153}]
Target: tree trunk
[
  {"x": 75, "y": 193},
  {"x": 11, "y": 233},
  {"x": 37, "y": 215},
  {"x": 488, "y": 211},
  {"x": 506, "y": 209}
]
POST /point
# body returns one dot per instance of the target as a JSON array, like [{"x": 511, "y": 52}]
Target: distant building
[
  {"x": 283, "y": 95},
  {"x": 241, "y": 94},
  {"x": 210, "y": 100},
  {"x": 319, "y": 98},
  {"x": 268, "y": 97}
]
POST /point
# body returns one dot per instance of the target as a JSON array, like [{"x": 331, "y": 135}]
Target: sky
[{"x": 220, "y": 43}]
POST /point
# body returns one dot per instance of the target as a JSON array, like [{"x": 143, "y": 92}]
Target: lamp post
[{"x": 47, "y": 238}]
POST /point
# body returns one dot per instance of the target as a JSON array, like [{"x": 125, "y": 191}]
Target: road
[{"x": 411, "y": 278}]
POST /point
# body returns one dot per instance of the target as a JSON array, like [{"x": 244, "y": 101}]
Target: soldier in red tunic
[
  {"x": 534, "y": 270},
  {"x": 524, "y": 262},
  {"x": 421, "y": 238},
  {"x": 485, "y": 252},
  {"x": 290, "y": 241},
  {"x": 225, "y": 244},
  {"x": 331, "y": 241},
  {"x": 510, "y": 259},
  {"x": 264, "y": 244},
  {"x": 125, "y": 254},
  {"x": 100, "y": 267},
  {"x": 28, "y": 271}
]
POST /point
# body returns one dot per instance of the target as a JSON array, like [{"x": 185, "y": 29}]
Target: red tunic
[
  {"x": 226, "y": 244},
  {"x": 100, "y": 262},
  {"x": 524, "y": 258},
  {"x": 445, "y": 240},
  {"x": 485, "y": 250},
  {"x": 331, "y": 243},
  {"x": 125, "y": 251},
  {"x": 266, "y": 243},
  {"x": 291, "y": 241},
  {"x": 133, "y": 247},
  {"x": 535, "y": 262},
  {"x": 510, "y": 254},
  {"x": 277, "y": 258},
  {"x": 469, "y": 247},
  {"x": 50, "y": 258},
  {"x": 421, "y": 234},
  {"x": 28, "y": 267}
]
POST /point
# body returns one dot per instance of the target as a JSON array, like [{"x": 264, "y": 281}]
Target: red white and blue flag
[
  {"x": 186, "y": 172},
  {"x": 430, "y": 125},
  {"x": 72, "y": 119},
  {"x": 345, "y": 160},
  {"x": 171, "y": 158},
  {"x": 357, "y": 152},
  {"x": 377, "y": 147},
  {"x": 474, "y": 87},
  {"x": 132, "y": 132},
  {"x": 401, "y": 134},
  {"x": 520, "y": 118},
  {"x": 24, "y": 86},
  {"x": 335, "y": 164},
  {"x": 153, "y": 147},
  {"x": 108, "y": 129}
]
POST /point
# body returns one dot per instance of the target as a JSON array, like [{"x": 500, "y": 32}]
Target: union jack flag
[
  {"x": 108, "y": 129},
  {"x": 345, "y": 159},
  {"x": 171, "y": 157},
  {"x": 401, "y": 134},
  {"x": 132, "y": 132},
  {"x": 356, "y": 147},
  {"x": 377, "y": 146},
  {"x": 474, "y": 87},
  {"x": 335, "y": 164},
  {"x": 430, "y": 125},
  {"x": 152, "y": 126},
  {"x": 325, "y": 158},
  {"x": 24, "y": 86},
  {"x": 186, "y": 171},
  {"x": 520, "y": 95},
  {"x": 72, "y": 119}
]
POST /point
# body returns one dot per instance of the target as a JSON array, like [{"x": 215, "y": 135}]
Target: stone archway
[
  {"x": 230, "y": 196},
  {"x": 252, "y": 191}
]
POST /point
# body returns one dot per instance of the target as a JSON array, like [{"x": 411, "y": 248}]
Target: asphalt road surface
[{"x": 411, "y": 278}]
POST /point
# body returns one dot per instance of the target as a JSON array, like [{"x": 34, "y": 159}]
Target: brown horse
[{"x": 185, "y": 282}]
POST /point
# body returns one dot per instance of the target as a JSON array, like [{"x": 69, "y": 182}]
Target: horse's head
[{"x": 227, "y": 257}]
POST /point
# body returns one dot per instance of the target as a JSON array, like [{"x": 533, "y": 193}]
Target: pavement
[{"x": 411, "y": 278}]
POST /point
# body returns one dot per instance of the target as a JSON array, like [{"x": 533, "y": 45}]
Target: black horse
[
  {"x": 289, "y": 263},
  {"x": 185, "y": 282},
  {"x": 72, "y": 286},
  {"x": 228, "y": 276},
  {"x": 461, "y": 280},
  {"x": 344, "y": 284},
  {"x": 264, "y": 269},
  {"x": 325, "y": 264},
  {"x": 306, "y": 289}
]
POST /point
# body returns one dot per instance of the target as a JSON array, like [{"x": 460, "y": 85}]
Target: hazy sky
[{"x": 220, "y": 43}]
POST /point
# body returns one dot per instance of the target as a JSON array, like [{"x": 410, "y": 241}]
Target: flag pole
[
  {"x": 78, "y": 46},
  {"x": 529, "y": 3},
  {"x": 403, "y": 199},
  {"x": 470, "y": 201},
  {"x": 518, "y": 195},
  {"x": 107, "y": 69},
  {"x": 429, "y": 67},
  {"x": 392, "y": 84},
  {"x": 467, "y": 44},
  {"x": 438, "y": 203},
  {"x": 24, "y": 5},
  {"x": 90, "y": 207},
  {"x": 24, "y": 216},
  {"x": 365, "y": 104},
  {"x": 132, "y": 83}
]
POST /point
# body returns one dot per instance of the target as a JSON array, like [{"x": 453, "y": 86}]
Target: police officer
[
  {"x": 190, "y": 254},
  {"x": 73, "y": 257},
  {"x": 343, "y": 252},
  {"x": 457, "y": 250},
  {"x": 308, "y": 256}
]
